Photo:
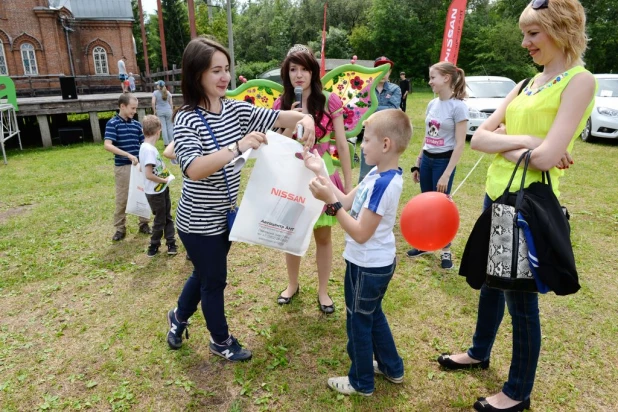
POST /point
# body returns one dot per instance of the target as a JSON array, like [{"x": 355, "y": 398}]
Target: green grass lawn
[{"x": 83, "y": 319}]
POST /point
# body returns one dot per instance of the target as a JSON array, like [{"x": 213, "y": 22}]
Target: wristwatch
[
  {"x": 332, "y": 208},
  {"x": 234, "y": 148}
]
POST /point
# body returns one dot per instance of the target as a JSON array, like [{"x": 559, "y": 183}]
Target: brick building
[{"x": 41, "y": 40}]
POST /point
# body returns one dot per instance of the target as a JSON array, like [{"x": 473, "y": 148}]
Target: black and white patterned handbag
[{"x": 508, "y": 267}]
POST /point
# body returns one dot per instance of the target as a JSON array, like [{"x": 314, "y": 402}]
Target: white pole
[{"x": 230, "y": 41}]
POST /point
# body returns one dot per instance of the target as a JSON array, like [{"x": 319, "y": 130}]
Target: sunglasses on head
[{"x": 539, "y": 4}]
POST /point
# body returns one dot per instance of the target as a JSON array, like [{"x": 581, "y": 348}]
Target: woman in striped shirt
[{"x": 210, "y": 131}]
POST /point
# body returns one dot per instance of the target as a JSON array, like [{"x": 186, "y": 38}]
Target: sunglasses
[{"x": 539, "y": 4}]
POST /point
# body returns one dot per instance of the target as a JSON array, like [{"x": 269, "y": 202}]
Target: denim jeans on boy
[
  {"x": 431, "y": 171},
  {"x": 207, "y": 282},
  {"x": 163, "y": 223},
  {"x": 369, "y": 335},
  {"x": 524, "y": 310}
]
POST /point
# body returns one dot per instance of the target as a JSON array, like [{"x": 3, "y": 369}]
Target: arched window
[
  {"x": 29, "y": 59},
  {"x": 100, "y": 60},
  {"x": 4, "y": 70}
]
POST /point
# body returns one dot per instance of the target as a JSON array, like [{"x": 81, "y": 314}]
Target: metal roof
[{"x": 96, "y": 9}]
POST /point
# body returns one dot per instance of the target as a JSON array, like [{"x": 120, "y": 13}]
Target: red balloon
[{"x": 429, "y": 221}]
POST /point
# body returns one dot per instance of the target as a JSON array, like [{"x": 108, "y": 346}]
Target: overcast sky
[{"x": 149, "y": 6}]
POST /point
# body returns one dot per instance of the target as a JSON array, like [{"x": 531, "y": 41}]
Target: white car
[
  {"x": 603, "y": 121},
  {"x": 485, "y": 93}
]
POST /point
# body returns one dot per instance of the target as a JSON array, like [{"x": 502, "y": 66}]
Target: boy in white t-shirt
[
  {"x": 155, "y": 185},
  {"x": 370, "y": 249}
]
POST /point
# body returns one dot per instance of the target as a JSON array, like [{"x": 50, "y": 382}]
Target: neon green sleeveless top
[{"x": 533, "y": 112}]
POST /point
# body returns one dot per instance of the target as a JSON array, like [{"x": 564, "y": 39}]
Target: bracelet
[{"x": 414, "y": 169}]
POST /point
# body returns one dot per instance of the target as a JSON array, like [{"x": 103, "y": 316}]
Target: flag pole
[{"x": 323, "y": 51}]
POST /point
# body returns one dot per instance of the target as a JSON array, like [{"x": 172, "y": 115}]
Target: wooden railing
[
  {"x": 50, "y": 84},
  {"x": 170, "y": 77}
]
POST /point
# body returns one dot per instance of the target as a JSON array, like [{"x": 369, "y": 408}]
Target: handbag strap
[
  {"x": 229, "y": 194},
  {"x": 520, "y": 193},
  {"x": 548, "y": 178},
  {"x": 508, "y": 186}
]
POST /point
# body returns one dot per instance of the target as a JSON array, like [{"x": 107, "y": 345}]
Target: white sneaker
[
  {"x": 342, "y": 385},
  {"x": 377, "y": 371}
]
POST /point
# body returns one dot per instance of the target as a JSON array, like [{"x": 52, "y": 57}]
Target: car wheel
[{"x": 587, "y": 132}]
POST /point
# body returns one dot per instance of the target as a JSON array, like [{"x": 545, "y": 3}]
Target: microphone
[{"x": 298, "y": 96}]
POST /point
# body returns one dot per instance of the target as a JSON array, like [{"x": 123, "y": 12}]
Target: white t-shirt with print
[
  {"x": 378, "y": 192},
  {"x": 149, "y": 155},
  {"x": 441, "y": 118}
]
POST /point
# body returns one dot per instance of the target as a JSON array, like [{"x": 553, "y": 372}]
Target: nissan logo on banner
[{"x": 452, "y": 31}]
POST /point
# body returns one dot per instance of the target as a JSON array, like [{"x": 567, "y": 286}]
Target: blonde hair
[
  {"x": 458, "y": 78},
  {"x": 564, "y": 21},
  {"x": 151, "y": 125},
  {"x": 394, "y": 124}
]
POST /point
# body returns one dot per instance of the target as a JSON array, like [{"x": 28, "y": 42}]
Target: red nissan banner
[{"x": 452, "y": 31}]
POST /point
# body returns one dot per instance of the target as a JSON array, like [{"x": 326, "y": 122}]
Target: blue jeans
[
  {"x": 368, "y": 332},
  {"x": 207, "y": 282},
  {"x": 364, "y": 167},
  {"x": 431, "y": 171},
  {"x": 524, "y": 310}
]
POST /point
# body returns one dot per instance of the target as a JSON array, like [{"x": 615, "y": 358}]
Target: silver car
[
  {"x": 485, "y": 93},
  {"x": 603, "y": 121}
]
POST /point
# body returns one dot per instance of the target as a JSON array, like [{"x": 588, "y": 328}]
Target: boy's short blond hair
[
  {"x": 151, "y": 125},
  {"x": 394, "y": 124}
]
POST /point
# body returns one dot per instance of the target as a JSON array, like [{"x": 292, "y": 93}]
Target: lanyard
[{"x": 229, "y": 195}]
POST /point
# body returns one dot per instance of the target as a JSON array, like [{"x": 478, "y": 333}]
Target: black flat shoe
[
  {"x": 328, "y": 309},
  {"x": 483, "y": 406},
  {"x": 282, "y": 300},
  {"x": 446, "y": 362}
]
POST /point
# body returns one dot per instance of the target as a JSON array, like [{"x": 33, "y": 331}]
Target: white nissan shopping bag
[
  {"x": 277, "y": 208},
  {"x": 137, "y": 204}
]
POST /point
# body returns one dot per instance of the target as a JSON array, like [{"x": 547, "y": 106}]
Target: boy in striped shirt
[{"x": 123, "y": 136}]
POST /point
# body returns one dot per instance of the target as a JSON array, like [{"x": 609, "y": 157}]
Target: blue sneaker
[
  {"x": 174, "y": 336},
  {"x": 230, "y": 350}
]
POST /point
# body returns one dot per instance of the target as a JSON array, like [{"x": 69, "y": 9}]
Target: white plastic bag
[
  {"x": 137, "y": 204},
  {"x": 277, "y": 208}
]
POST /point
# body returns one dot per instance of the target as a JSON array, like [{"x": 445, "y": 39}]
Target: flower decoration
[{"x": 357, "y": 83}]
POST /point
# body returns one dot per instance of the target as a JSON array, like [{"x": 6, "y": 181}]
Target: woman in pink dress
[{"x": 301, "y": 69}]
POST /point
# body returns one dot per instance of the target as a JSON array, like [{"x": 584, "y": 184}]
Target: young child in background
[
  {"x": 131, "y": 80},
  {"x": 370, "y": 249},
  {"x": 155, "y": 186},
  {"x": 446, "y": 123}
]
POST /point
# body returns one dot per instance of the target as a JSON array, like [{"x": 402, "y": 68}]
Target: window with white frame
[
  {"x": 100, "y": 60},
  {"x": 28, "y": 57},
  {"x": 4, "y": 70}
]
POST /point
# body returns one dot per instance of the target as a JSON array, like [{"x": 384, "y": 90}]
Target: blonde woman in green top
[{"x": 547, "y": 116}]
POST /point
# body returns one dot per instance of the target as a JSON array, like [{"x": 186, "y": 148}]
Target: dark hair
[
  {"x": 317, "y": 100},
  {"x": 125, "y": 98},
  {"x": 196, "y": 59}
]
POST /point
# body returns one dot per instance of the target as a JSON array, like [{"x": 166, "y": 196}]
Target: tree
[
  {"x": 216, "y": 28},
  {"x": 153, "y": 42},
  {"x": 337, "y": 44},
  {"x": 137, "y": 35},
  {"x": 177, "y": 33}
]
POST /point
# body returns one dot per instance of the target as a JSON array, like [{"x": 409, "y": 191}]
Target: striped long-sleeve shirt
[{"x": 203, "y": 204}]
